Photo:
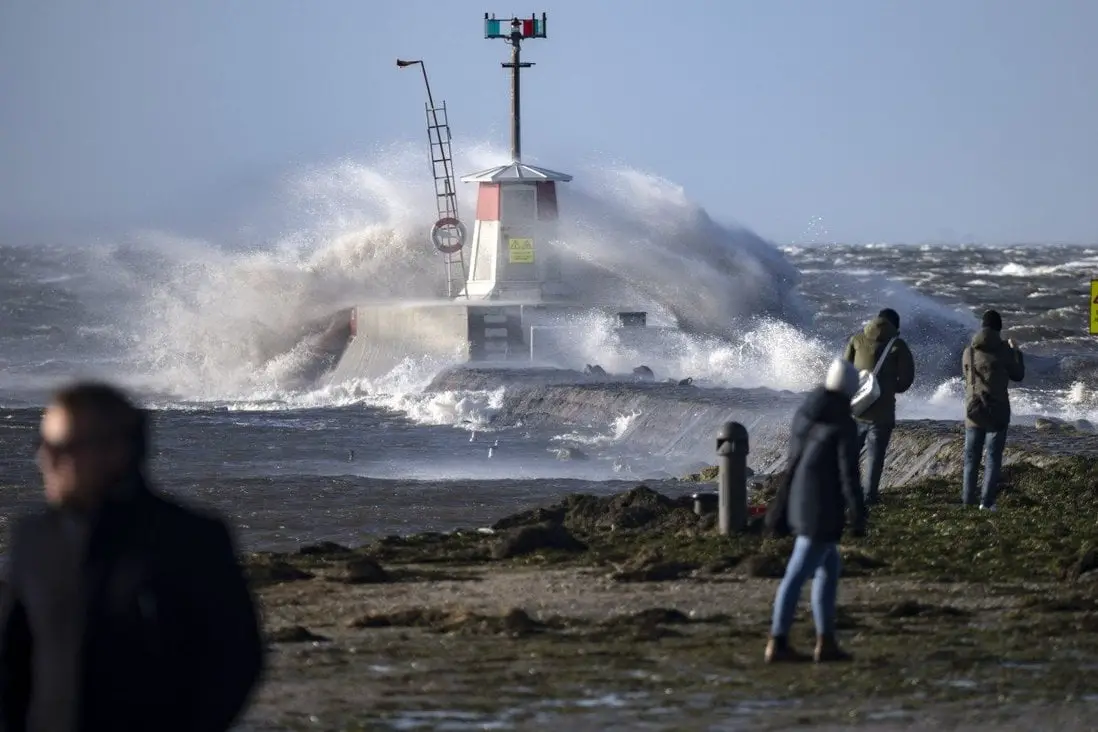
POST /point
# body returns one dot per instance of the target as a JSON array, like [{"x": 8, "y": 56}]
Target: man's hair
[
  {"x": 891, "y": 316},
  {"x": 992, "y": 319},
  {"x": 111, "y": 408}
]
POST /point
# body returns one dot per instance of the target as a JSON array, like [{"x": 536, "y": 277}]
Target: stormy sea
[{"x": 228, "y": 339}]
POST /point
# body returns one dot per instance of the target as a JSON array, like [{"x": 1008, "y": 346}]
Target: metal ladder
[{"x": 442, "y": 168}]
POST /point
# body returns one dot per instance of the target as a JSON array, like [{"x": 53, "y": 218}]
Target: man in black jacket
[
  {"x": 988, "y": 366},
  {"x": 122, "y": 610},
  {"x": 823, "y": 453}
]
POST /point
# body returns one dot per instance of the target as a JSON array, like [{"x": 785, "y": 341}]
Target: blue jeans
[
  {"x": 975, "y": 440},
  {"x": 874, "y": 439},
  {"x": 809, "y": 557}
]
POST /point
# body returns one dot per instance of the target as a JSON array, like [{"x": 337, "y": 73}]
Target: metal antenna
[{"x": 514, "y": 32}]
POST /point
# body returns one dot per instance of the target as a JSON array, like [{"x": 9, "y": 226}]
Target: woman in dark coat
[{"x": 823, "y": 484}]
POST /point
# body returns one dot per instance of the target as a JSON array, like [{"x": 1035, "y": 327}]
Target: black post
[
  {"x": 732, "y": 449},
  {"x": 430, "y": 99},
  {"x": 516, "y": 123},
  {"x": 516, "y": 114}
]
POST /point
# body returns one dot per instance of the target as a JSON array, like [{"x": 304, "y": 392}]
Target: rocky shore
[{"x": 631, "y": 612}]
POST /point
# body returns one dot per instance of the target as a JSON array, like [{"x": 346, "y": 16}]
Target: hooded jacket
[
  {"x": 897, "y": 372},
  {"x": 823, "y": 449},
  {"x": 987, "y": 366}
]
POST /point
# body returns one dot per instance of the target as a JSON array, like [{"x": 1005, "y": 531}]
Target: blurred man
[
  {"x": 122, "y": 610},
  {"x": 987, "y": 365},
  {"x": 895, "y": 375},
  {"x": 823, "y": 487}
]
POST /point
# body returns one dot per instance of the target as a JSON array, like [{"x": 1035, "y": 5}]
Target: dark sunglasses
[{"x": 68, "y": 447}]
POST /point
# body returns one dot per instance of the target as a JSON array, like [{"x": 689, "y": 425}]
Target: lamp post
[{"x": 405, "y": 64}]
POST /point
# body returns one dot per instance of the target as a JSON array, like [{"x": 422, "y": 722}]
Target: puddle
[
  {"x": 757, "y": 706},
  {"x": 606, "y": 701},
  {"x": 446, "y": 719},
  {"x": 633, "y": 708}
]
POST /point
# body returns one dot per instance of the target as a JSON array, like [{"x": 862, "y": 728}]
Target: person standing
[
  {"x": 121, "y": 610},
  {"x": 823, "y": 485},
  {"x": 987, "y": 365},
  {"x": 880, "y": 349}
]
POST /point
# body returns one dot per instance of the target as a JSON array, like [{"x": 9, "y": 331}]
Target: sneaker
[{"x": 988, "y": 508}]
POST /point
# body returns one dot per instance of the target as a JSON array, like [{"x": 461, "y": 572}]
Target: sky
[{"x": 880, "y": 120}]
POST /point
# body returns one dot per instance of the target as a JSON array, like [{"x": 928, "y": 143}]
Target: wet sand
[{"x": 526, "y": 648}]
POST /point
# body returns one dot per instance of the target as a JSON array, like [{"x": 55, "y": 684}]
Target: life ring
[{"x": 440, "y": 243}]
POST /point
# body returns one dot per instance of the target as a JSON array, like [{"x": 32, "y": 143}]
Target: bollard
[
  {"x": 732, "y": 477},
  {"x": 704, "y": 503}
]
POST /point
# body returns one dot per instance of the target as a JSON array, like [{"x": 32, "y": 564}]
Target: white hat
[{"x": 842, "y": 377}]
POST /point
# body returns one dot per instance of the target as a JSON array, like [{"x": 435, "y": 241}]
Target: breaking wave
[{"x": 229, "y": 321}]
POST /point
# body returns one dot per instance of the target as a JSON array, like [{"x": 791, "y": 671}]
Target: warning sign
[
  {"x": 1094, "y": 307},
  {"x": 520, "y": 251}
]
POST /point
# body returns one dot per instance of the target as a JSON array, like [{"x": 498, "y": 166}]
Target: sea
[{"x": 223, "y": 338}]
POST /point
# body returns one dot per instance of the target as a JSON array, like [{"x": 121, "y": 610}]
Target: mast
[{"x": 515, "y": 32}]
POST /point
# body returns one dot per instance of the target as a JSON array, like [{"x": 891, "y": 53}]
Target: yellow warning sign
[
  {"x": 520, "y": 251},
  {"x": 1094, "y": 307}
]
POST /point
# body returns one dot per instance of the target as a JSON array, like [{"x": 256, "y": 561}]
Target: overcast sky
[{"x": 891, "y": 121}]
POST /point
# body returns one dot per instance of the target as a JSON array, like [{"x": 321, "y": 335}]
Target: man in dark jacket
[
  {"x": 823, "y": 455},
  {"x": 895, "y": 376},
  {"x": 987, "y": 365},
  {"x": 122, "y": 610}
]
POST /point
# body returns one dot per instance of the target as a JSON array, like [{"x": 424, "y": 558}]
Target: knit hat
[
  {"x": 842, "y": 377},
  {"x": 992, "y": 320}
]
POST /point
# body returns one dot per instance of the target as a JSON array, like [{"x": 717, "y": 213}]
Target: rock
[
  {"x": 638, "y": 508},
  {"x": 266, "y": 570},
  {"x": 643, "y": 373},
  {"x": 688, "y": 381},
  {"x": 1083, "y": 425},
  {"x": 650, "y": 566},
  {"x": 763, "y": 565},
  {"x": 516, "y": 622},
  {"x": 324, "y": 547},
  {"x": 1047, "y": 423},
  {"x": 416, "y": 617},
  {"x": 650, "y": 616},
  {"x": 1086, "y": 563},
  {"x": 293, "y": 634},
  {"x": 529, "y": 539},
  {"x": 361, "y": 570},
  {"x": 645, "y": 625},
  {"x": 582, "y": 514},
  {"x": 595, "y": 370},
  {"x": 550, "y": 515}
]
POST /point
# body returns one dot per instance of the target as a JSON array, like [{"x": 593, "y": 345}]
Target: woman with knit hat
[{"x": 822, "y": 485}]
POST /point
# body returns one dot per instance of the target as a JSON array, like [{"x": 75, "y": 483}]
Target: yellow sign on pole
[
  {"x": 520, "y": 251},
  {"x": 1094, "y": 307}
]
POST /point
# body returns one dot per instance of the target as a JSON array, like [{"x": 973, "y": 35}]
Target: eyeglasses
[{"x": 66, "y": 448}]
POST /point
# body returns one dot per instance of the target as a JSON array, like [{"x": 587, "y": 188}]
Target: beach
[{"x": 631, "y": 612}]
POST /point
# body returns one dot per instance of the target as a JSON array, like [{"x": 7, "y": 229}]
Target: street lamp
[{"x": 405, "y": 64}]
